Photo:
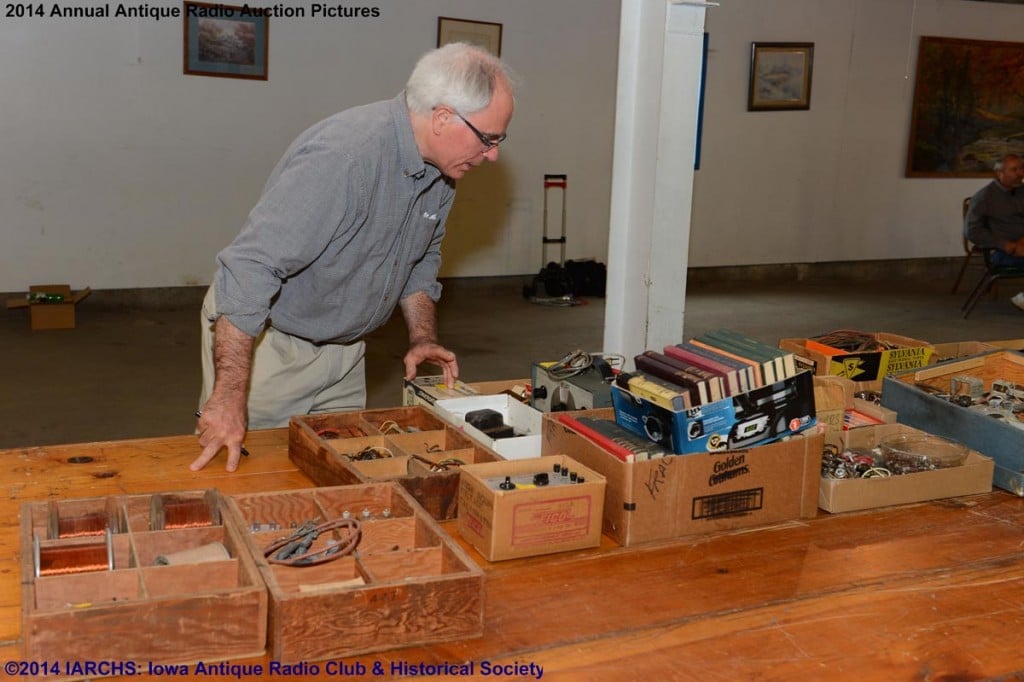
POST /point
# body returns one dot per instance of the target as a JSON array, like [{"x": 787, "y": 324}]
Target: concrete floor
[{"x": 132, "y": 371}]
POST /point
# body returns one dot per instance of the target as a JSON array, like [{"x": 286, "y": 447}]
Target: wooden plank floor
[{"x": 931, "y": 591}]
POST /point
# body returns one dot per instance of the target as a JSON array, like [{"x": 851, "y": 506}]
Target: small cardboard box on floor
[
  {"x": 974, "y": 476},
  {"x": 528, "y": 519},
  {"x": 995, "y": 435},
  {"x": 51, "y": 315},
  {"x": 868, "y": 366},
  {"x": 706, "y": 492}
]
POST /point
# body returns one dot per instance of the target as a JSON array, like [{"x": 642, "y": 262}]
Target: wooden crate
[
  {"x": 326, "y": 446},
  {"x": 988, "y": 367},
  {"x": 136, "y": 610},
  {"x": 407, "y": 582}
]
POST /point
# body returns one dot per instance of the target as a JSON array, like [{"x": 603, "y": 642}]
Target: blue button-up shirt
[{"x": 349, "y": 223}]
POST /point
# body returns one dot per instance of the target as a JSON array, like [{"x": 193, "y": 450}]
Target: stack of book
[
  {"x": 706, "y": 369},
  {"x": 614, "y": 439}
]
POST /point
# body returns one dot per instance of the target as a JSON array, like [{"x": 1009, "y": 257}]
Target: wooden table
[{"x": 922, "y": 592}]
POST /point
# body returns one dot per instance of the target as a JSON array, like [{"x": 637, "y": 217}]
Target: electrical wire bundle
[
  {"x": 577, "y": 362},
  {"x": 851, "y": 341}
]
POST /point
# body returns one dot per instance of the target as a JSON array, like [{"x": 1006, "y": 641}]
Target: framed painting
[
  {"x": 968, "y": 107},
  {"x": 780, "y": 76},
  {"x": 485, "y": 34},
  {"x": 225, "y": 41}
]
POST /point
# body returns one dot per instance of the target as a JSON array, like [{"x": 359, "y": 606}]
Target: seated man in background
[{"x": 995, "y": 217}]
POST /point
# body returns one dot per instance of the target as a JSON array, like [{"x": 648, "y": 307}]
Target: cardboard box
[
  {"x": 907, "y": 354},
  {"x": 994, "y": 437},
  {"x": 130, "y": 608},
  {"x": 424, "y": 453},
  {"x": 841, "y": 495},
  {"x": 709, "y": 492},
  {"x": 758, "y": 416},
  {"x": 1006, "y": 344},
  {"x": 408, "y": 583},
  {"x": 522, "y": 418},
  {"x": 530, "y": 519},
  {"x": 944, "y": 352},
  {"x": 51, "y": 315},
  {"x": 425, "y": 391},
  {"x": 835, "y": 401}
]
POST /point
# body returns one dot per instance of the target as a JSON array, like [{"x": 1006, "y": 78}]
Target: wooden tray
[
  {"x": 130, "y": 608},
  {"x": 406, "y": 583},
  {"x": 326, "y": 447}
]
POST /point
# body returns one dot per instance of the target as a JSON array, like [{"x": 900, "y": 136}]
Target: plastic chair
[{"x": 969, "y": 249}]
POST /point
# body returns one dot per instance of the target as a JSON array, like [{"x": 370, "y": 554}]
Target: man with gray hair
[
  {"x": 995, "y": 217},
  {"x": 348, "y": 227}
]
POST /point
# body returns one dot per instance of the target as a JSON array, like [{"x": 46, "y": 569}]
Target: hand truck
[
  {"x": 554, "y": 182},
  {"x": 552, "y": 286}
]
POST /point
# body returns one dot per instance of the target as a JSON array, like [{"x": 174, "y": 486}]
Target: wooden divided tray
[
  {"x": 405, "y": 583},
  {"x": 111, "y": 575},
  {"x": 920, "y": 399},
  {"x": 408, "y": 445},
  {"x": 987, "y": 367}
]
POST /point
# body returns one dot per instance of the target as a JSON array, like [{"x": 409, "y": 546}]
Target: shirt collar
[
  {"x": 413, "y": 165},
  {"x": 1006, "y": 190}
]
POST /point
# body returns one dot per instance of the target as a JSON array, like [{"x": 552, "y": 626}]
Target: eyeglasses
[{"x": 488, "y": 141}]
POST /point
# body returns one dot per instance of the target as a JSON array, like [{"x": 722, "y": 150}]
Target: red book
[{"x": 615, "y": 440}]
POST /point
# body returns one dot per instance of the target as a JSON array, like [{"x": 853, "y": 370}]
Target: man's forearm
[
  {"x": 232, "y": 359},
  {"x": 420, "y": 318}
]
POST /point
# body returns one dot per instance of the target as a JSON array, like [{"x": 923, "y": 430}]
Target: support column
[{"x": 660, "y": 52}]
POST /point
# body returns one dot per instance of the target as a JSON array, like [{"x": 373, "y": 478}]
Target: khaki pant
[{"x": 291, "y": 376}]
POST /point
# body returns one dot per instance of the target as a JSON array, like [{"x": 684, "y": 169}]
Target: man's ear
[{"x": 439, "y": 118}]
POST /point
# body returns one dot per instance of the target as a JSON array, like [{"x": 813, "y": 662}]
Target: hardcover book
[
  {"x": 613, "y": 438},
  {"x": 729, "y": 375},
  {"x": 663, "y": 367}
]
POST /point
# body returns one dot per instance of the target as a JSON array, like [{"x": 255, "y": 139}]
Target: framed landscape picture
[
  {"x": 485, "y": 34},
  {"x": 225, "y": 44},
  {"x": 780, "y": 76},
  {"x": 968, "y": 110}
]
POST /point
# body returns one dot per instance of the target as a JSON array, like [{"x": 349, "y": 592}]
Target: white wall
[
  {"x": 116, "y": 170},
  {"x": 828, "y": 184}
]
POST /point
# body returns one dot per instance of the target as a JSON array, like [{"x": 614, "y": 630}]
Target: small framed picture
[
  {"x": 780, "y": 76},
  {"x": 485, "y": 34},
  {"x": 225, "y": 41}
]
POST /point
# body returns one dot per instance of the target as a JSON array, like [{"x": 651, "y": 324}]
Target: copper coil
[
  {"x": 73, "y": 559},
  {"x": 82, "y": 526},
  {"x": 186, "y": 514},
  {"x": 168, "y": 513}
]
